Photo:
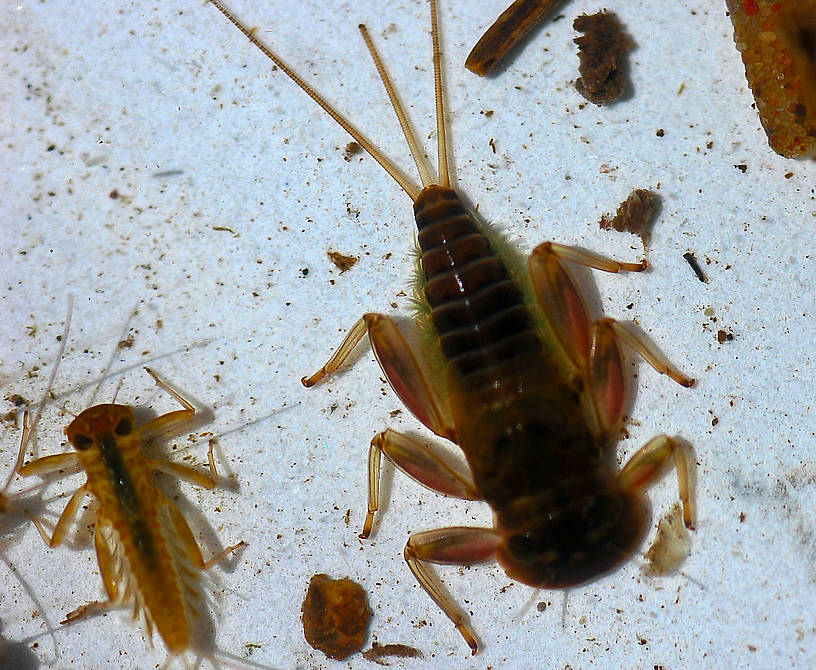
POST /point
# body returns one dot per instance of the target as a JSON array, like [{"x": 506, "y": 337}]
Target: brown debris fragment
[
  {"x": 671, "y": 546},
  {"x": 723, "y": 336},
  {"x": 342, "y": 261},
  {"x": 602, "y": 53},
  {"x": 335, "y": 616},
  {"x": 17, "y": 400},
  {"x": 351, "y": 150},
  {"x": 10, "y": 418},
  {"x": 380, "y": 651},
  {"x": 777, "y": 42},
  {"x": 634, "y": 214},
  {"x": 127, "y": 343},
  {"x": 507, "y": 31}
]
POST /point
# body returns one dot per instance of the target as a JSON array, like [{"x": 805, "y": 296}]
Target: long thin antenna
[
  {"x": 109, "y": 365},
  {"x": 27, "y": 433},
  {"x": 441, "y": 131},
  {"x": 416, "y": 150},
  {"x": 407, "y": 185}
]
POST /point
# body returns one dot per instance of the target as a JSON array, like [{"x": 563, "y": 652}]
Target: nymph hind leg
[
  {"x": 450, "y": 546},
  {"x": 591, "y": 347},
  {"x": 68, "y": 515},
  {"x": 187, "y": 473},
  {"x": 43, "y": 467},
  {"x": 404, "y": 372},
  {"x": 187, "y": 540},
  {"x": 111, "y": 578},
  {"x": 427, "y": 463},
  {"x": 646, "y": 465}
]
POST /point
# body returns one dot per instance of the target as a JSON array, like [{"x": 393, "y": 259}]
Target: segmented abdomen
[
  {"x": 479, "y": 314},
  {"x": 139, "y": 533}
]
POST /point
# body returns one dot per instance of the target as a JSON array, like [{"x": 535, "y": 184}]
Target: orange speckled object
[
  {"x": 777, "y": 41},
  {"x": 335, "y": 616}
]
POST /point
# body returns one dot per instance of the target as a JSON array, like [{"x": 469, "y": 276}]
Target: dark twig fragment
[
  {"x": 692, "y": 261},
  {"x": 509, "y": 29}
]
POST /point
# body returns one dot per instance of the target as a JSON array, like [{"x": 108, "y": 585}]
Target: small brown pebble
[
  {"x": 335, "y": 616},
  {"x": 601, "y": 52}
]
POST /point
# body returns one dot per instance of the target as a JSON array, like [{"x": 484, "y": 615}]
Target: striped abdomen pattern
[{"x": 478, "y": 313}]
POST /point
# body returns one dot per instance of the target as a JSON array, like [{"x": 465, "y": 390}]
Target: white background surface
[{"x": 128, "y": 94}]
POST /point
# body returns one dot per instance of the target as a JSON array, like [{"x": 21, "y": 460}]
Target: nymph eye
[
  {"x": 124, "y": 427},
  {"x": 81, "y": 442}
]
